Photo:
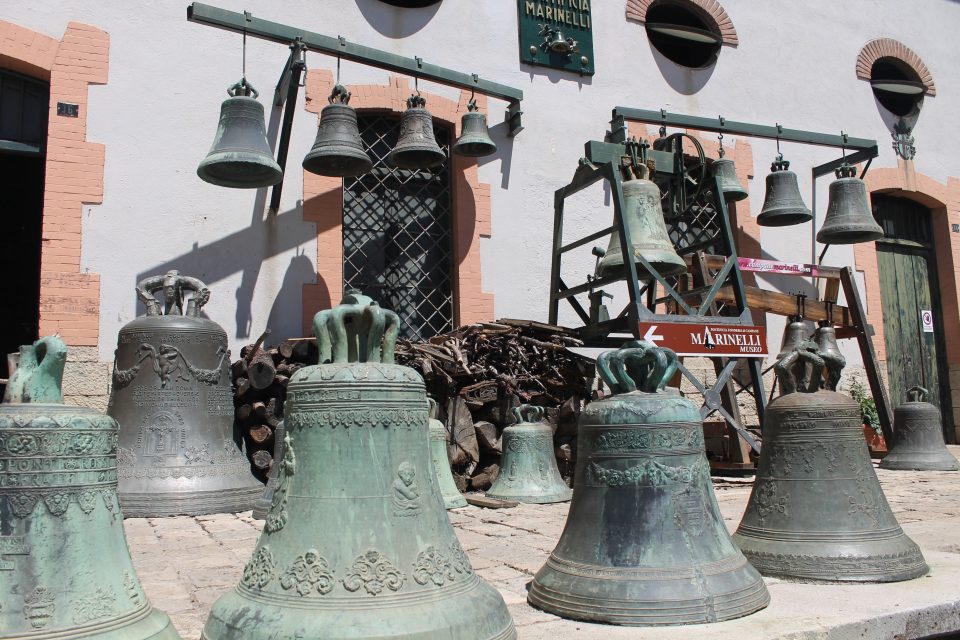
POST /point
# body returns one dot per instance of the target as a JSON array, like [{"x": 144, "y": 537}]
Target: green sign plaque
[{"x": 556, "y": 33}]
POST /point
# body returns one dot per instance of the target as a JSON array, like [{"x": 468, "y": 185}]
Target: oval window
[
  {"x": 896, "y": 86},
  {"x": 683, "y": 33}
]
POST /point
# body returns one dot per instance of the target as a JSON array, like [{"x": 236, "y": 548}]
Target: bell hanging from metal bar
[
  {"x": 357, "y": 544},
  {"x": 66, "y": 570},
  {"x": 817, "y": 512},
  {"x": 644, "y": 542},
  {"x": 726, "y": 173},
  {"x": 528, "y": 469},
  {"x": 171, "y": 395},
  {"x": 782, "y": 204},
  {"x": 794, "y": 333},
  {"x": 918, "y": 435},
  {"x": 643, "y": 216},
  {"x": 474, "y": 138},
  {"x": 240, "y": 156},
  {"x": 848, "y": 219},
  {"x": 826, "y": 339},
  {"x": 338, "y": 149},
  {"x": 262, "y": 505},
  {"x": 416, "y": 147},
  {"x": 452, "y": 498}
]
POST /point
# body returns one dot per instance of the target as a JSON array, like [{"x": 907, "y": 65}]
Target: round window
[
  {"x": 683, "y": 33},
  {"x": 896, "y": 86}
]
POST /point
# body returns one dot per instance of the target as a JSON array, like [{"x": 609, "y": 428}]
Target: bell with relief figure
[
  {"x": 357, "y": 543},
  {"x": 817, "y": 512},
  {"x": 474, "y": 140},
  {"x": 452, "y": 498},
  {"x": 416, "y": 147},
  {"x": 644, "y": 542},
  {"x": 528, "y": 469},
  {"x": 240, "y": 156},
  {"x": 171, "y": 395},
  {"x": 782, "y": 204},
  {"x": 848, "y": 219},
  {"x": 918, "y": 433},
  {"x": 65, "y": 571},
  {"x": 643, "y": 216},
  {"x": 338, "y": 149}
]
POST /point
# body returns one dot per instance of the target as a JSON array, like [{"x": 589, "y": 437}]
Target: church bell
[
  {"x": 171, "y": 395},
  {"x": 726, "y": 173},
  {"x": 643, "y": 216},
  {"x": 474, "y": 138},
  {"x": 848, "y": 219},
  {"x": 918, "y": 437},
  {"x": 240, "y": 156},
  {"x": 794, "y": 333},
  {"x": 817, "y": 512},
  {"x": 528, "y": 469},
  {"x": 452, "y": 498},
  {"x": 338, "y": 149},
  {"x": 782, "y": 204},
  {"x": 66, "y": 571},
  {"x": 416, "y": 147},
  {"x": 357, "y": 544},
  {"x": 644, "y": 542}
]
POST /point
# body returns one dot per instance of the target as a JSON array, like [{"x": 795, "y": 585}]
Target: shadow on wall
[
  {"x": 284, "y": 318},
  {"x": 682, "y": 79},
  {"x": 394, "y": 22}
]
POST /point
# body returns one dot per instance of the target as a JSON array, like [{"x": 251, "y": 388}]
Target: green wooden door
[{"x": 908, "y": 288}]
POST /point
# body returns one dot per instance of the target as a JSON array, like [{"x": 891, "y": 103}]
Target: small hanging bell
[
  {"x": 782, "y": 204},
  {"x": 474, "y": 138},
  {"x": 240, "y": 156},
  {"x": 848, "y": 219},
  {"x": 528, "y": 469},
  {"x": 919, "y": 437},
  {"x": 726, "y": 173},
  {"x": 416, "y": 147},
  {"x": 452, "y": 498},
  {"x": 794, "y": 333},
  {"x": 338, "y": 149}
]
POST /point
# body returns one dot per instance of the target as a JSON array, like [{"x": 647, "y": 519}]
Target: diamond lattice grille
[{"x": 396, "y": 233}]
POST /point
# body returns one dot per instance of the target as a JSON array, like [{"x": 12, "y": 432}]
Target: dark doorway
[
  {"x": 23, "y": 131},
  {"x": 909, "y": 292}
]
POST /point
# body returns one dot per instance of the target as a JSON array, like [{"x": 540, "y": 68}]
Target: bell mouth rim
[
  {"x": 268, "y": 177},
  {"x": 850, "y": 237},
  {"x": 775, "y": 219},
  {"x": 467, "y": 149}
]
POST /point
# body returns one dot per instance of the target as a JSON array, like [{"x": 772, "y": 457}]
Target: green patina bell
[
  {"x": 357, "y": 543},
  {"x": 817, "y": 512},
  {"x": 528, "y": 469},
  {"x": 919, "y": 437},
  {"x": 65, "y": 571},
  {"x": 452, "y": 498},
  {"x": 474, "y": 140},
  {"x": 338, "y": 149},
  {"x": 416, "y": 146},
  {"x": 644, "y": 542}
]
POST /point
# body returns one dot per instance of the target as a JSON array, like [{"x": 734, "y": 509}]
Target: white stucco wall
[{"x": 157, "y": 114}]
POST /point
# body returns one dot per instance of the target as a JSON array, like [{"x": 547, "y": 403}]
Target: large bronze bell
[
  {"x": 171, "y": 395},
  {"x": 794, "y": 334},
  {"x": 357, "y": 543},
  {"x": 338, "y": 149},
  {"x": 452, "y": 498},
  {"x": 416, "y": 147},
  {"x": 474, "y": 138},
  {"x": 240, "y": 156},
  {"x": 919, "y": 437},
  {"x": 782, "y": 204},
  {"x": 643, "y": 215},
  {"x": 848, "y": 219},
  {"x": 726, "y": 172},
  {"x": 65, "y": 571},
  {"x": 528, "y": 469},
  {"x": 644, "y": 542},
  {"x": 262, "y": 506},
  {"x": 817, "y": 512}
]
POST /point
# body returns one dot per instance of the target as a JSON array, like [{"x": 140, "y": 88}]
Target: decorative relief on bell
[
  {"x": 260, "y": 571},
  {"x": 373, "y": 572},
  {"x": 310, "y": 573},
  {"x": 432, "y": 566}
]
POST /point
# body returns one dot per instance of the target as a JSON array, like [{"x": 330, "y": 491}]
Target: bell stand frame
[
  {"x": 603, "y": 161},
  {"x": 301, "y": 40}
]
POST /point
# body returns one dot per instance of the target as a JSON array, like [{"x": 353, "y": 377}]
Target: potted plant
[{"x": 871, "y": 419}]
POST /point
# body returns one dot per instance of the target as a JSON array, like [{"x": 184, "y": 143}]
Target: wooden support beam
[{"x": 785, "y": 304}]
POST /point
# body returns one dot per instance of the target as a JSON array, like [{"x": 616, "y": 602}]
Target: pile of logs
[{"x": 477, "y": 374}]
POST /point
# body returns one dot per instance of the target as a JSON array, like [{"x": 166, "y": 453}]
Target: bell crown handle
[
  {"x": 638, "y": 365},
  {"x": 356, "y": 332},
  {"x": 528, "y": 413},
  {"x": 807, "y": 369},
  {"x": 242, "y": 88},
  {"x": 175, "y": 288},
  {"x": 917, "y": 394},
  {"x": 39, "y": 375}
]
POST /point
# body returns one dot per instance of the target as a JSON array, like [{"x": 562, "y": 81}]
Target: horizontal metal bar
[
  {"x": 853, "y": 158},
  {"x": 743, "y": 128},
  {"x": 590, "y": 238},
  {"x": 281, "y": 33},
  {"x": 596, "y": 283}
]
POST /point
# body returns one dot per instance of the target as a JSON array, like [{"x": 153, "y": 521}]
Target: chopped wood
[
  {"x": 489, "y": 503},
  {"x": 262, "y": 459},
  {"x": 261, "y": 433}
]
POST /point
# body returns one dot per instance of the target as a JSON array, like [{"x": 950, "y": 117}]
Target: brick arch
[
  {"x": 323, "y": 202},
  {"x": 710, "y": 10},
  {"x": 890, "y": 48}
]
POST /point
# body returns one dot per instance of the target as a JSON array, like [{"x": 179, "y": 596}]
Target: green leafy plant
[{"x": 868, "y": 408}]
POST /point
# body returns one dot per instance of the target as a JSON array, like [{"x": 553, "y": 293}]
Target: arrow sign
[
  {"x": 651, "y": 336},
  {"x": 696, "y": 339}
]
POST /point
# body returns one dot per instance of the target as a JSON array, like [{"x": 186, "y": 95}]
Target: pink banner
[{"x": 770, "y": 266}]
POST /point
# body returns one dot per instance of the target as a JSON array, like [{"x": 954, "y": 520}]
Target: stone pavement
[{"x": 186, "y": 563}]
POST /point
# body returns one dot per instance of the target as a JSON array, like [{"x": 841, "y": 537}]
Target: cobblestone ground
[{"x": 186, "y": 563}]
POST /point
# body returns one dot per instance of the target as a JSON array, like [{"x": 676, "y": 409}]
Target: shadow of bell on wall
[{"x": 398, "y": 18}]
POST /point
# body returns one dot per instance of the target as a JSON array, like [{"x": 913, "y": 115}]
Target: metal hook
[
  {"x": 247, "y": 16},
  {"x": 779, "y": 131}
]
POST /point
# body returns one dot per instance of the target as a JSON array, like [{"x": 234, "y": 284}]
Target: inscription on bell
[
  {"x": 12, "y": 546},
  {"x": 171, "y": 398}
]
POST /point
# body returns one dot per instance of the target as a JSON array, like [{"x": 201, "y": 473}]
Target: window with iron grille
[{"x": 397, "y": 247}]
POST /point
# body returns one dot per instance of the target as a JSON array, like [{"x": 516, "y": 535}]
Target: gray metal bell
[
  {"x": 452, "y": 498},
  {"x": 726, "y": 173},
  {"x": 848, "y": 219},
  {"x": 474, "y": 138},
  {"x": 782, "y": 205},
  {"x": 826, "y": 339},
  {"x": 338, "y": 149},
  {"x": 528, "y": 469},
  {"x": 240, "y": 156},
  {"x": 416, "y": 147},
  {"x": 794, "y": 333},
  {"x": 919, "y": 437}
]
